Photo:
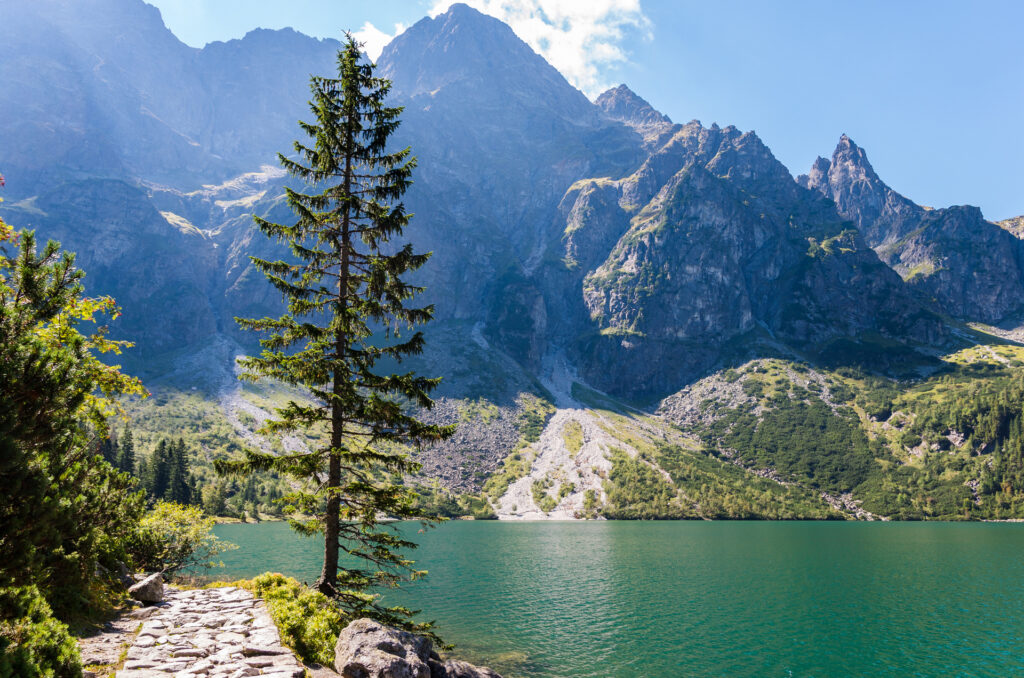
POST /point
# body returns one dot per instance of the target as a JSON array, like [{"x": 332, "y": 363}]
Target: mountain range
[{"x": 595, "y": 264}]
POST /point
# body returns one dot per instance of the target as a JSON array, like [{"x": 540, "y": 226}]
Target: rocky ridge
[
  {"x": 622, "y": 104},
  {"x": 964, "y": 265},
  {"x": 711, "y": 242},
  {"x": 1014, "y": 225}
]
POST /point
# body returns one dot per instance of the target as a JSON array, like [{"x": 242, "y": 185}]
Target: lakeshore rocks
[
  {"x": 454, "y": 668},
  {"x": 149, "y": 590},
  {"x": 367, "y": 649}
]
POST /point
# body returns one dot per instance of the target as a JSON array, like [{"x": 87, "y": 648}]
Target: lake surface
[{"x": 646, "y": 599}]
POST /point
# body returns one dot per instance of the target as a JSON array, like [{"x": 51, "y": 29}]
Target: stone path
[
  {"x": 103, "y": 645},
  {"x": 208, "y": 632}
]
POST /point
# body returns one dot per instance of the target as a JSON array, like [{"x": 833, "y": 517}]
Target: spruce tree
[
  {"x": 159, "y": 471},
  {"x": 126, "y": 455},
  {"x": 348, "y": 310},
  {"x": 142, "y": 473},
  {"x": 178, "y": 487}
]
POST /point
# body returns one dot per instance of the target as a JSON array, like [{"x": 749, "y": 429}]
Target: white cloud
[
  {"x": 581, "y": 38},
  {"x": 374, "y": 39}
]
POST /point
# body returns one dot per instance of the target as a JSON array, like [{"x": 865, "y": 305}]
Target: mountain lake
[{"x": 608, "y": 598}]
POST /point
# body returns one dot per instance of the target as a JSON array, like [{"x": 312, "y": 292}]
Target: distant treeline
[{"x": 166, "y": 474}]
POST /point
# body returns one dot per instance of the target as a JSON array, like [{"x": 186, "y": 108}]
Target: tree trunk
[
  {"x": 329, "y": 576},
  {"x": 328, "y": 582}
]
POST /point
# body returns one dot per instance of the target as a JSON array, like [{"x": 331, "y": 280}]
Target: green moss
[{"x": 922, "y": 270}]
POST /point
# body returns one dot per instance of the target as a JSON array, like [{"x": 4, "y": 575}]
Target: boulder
[
  {"x": 367, "y": 649},
  {"x": 453, "y": 668},
  {"x": 149, "y": 590}
]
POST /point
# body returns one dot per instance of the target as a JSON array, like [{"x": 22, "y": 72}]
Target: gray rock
[
  {"x": 149, "y": 590},
  {"x": 453, "y": 668},
  {"x": 260, "y": 650},
  {"x": 366, "y": 649}
]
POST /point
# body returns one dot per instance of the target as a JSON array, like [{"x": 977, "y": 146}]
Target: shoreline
[{"x": 513, "y": 520}]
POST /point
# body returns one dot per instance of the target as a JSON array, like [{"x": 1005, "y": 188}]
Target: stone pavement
[{"x": 222, "y": 632}]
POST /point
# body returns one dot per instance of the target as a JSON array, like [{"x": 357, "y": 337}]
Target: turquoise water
[{"x": 706, "y": 598}]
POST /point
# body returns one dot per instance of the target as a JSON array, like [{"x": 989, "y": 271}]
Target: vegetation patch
[
  {"x": 637, "y": 491},
  {"x": 309, "y": 621},
  {"x": 541, "y": 497},
  {"x": 513, "y": 467},
  {"x": 803, "y": 440},
  {"x": 32, "y": 641},
  {"x": 534, "y": 417},
  {"x": 572, "y": 436}
]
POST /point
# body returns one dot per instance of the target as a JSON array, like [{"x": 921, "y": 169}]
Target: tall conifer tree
[
  {"x": 157, "y": 476},
  {"x": 178, "y": 482},
  {"x": 126, "y": 454},
  {"x": 348, "y": 310}
]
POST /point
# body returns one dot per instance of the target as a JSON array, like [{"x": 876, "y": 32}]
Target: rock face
[
  {"x": 645, "y": 252},
  {"x": 708, "y": 242},
  {"x": 500, "y": 135},
  {"x": 149, "y": 590},
  {"x": 119, "y": 94},
  {"x": 967, "y": 266},
  {"x": 1014, "y": 225},
  {"x": 366, "y": 649}
]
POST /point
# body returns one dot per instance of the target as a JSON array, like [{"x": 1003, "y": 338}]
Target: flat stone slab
[{"x": 209, "y": 632}]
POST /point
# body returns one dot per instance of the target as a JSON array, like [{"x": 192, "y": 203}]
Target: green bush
[
  {"x": 32, "y": 642},
  {"x": 172, "y": 537},
  {"x": 308, "y": 621},
  {"x": 910, "y": 439}
]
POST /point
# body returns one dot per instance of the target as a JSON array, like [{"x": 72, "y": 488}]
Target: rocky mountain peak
[
  {"x": 860, "y": 196},
  {"x": 818, "y": 176},
  {"x": 622, "y": 104},
  {"x": 967, "y": 266},
  {"x": 851, "y": 161},
  {"x": 472, "y": 55}
]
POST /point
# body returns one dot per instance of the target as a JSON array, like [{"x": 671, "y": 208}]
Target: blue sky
[{"x": 932, "y": 89}]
